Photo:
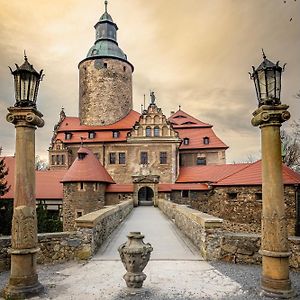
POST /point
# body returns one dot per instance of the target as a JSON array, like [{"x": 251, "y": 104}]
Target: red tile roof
[
  {"x": 119, "y": 188},
  {"x": 48, "y": 184},
  {"x": 165, "y": 187},
  {"x": 194, "y": 129},
  {"x": 181, "y": 119},
  {"x": 208, "y": 173},
  {"x": 251, "y": 175},
  {"x": 73, "y": 124},
  {"x": 196, "y": 136},
  {"x": 87, "y": 169}
]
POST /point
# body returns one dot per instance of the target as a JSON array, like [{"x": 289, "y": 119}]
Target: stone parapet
[
  {"x": 208, "y": 235},
  {"x": 92, "y": 230}
]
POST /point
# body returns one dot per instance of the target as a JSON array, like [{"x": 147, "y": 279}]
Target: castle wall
[
  {"x": 77, "y": 201},
  {"x": 213, "y": 157},
  {"x": 105, "y": 91}
]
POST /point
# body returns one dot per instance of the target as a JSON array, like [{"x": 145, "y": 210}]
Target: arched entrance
[{"x": 145, "y": 196}]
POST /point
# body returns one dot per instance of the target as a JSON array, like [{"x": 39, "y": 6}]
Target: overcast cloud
[{"x": 193, "y": 53}]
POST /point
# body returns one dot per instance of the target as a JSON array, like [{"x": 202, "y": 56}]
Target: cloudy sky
[{"x": 193, "y": 53}]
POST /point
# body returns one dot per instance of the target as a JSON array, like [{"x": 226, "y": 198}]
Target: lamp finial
[
  {"x": 105, "y": 3},
  {"x": 263, "y": 53}
]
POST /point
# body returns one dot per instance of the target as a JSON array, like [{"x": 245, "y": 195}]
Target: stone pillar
[
  {"x": 23, "y": 281},
  {"x": 275, "y": 253}
]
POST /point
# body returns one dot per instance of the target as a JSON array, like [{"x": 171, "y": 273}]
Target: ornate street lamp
[
  {"x": 27, "y": 81},
  {"x": 267, "y": 80},
  {"x": 269, "y": 116},
  {"x": 23, "y": 281}
]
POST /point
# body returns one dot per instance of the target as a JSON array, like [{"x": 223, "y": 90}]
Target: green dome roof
[
  {"x": 106, "y": 48},
  {"x": 106, "y": 17}
]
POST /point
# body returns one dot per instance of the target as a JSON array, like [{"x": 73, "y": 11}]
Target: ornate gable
[{"x": 153, "y": 126}]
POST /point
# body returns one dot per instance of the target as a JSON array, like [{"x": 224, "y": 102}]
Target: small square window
[
  {"x": 186, "y": 141},
  {"x": 201, "y": 161},
  {"x": 232, "y": 196},
  {"x": 112, "y": 158},
  {"x": 116, "y": 134},
  {"x": 185, "y": 194},
  {"x": 92, "y": 135},
  {"x": 79, "y": 213},
  {"x": 68, "y": 135},
  {"x": 258, "y": 197}
]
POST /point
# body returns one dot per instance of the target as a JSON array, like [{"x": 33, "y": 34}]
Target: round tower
[{"x": 105, "y": 78}]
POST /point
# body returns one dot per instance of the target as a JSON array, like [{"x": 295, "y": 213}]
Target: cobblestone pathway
[{"x": 175, "y": 271}]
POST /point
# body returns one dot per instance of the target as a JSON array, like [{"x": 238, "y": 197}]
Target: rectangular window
[
  {"x": 81, "y": 186},
  {"x": 258, "y": 197},
  {"x": 112, "y": 158},
  {"x": 53, "y": 159},
  {"x": 144, "y": 158},
  {"x": 184, "y": 194},
  {"x": 232, "y": 196},
  {"x": 58, "y": 159},
  {"x": 62, "y": 159},
  {"x": 163, "y": 158},
  {"x": 68, "y": 135},
  {"x": 201, "y": 161},
  {"x": 122, "y": 158}
]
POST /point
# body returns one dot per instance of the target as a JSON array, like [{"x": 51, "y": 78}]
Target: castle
[{"x": 111, "y": 152}]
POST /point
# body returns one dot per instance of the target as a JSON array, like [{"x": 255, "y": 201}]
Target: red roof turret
[{"x": 87, "y": 168}]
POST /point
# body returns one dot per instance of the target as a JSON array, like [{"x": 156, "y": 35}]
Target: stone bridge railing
[
  {"x": 92, "y": 230},
  {"x": 214, "y": 243}
]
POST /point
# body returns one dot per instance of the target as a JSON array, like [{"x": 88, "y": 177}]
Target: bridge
[{"x": 176, "y": 270}]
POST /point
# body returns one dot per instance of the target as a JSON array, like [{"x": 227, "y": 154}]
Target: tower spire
[{"x": 105, "y": 3}]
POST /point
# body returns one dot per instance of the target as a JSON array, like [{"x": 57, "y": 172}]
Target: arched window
[
  {"x": 156, "y": 131},
  {"x": 148, "y": 131},
  {"x": 165, "y": 131}
]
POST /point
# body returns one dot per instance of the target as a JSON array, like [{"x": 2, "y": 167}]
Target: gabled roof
[
  {"x": 208, "y": 173},
  {"x": 181, "y": 119},
  {"x": 48, "y": 184},
  {"x": 196, "y": 135},
  {"x": 86, "y": 168},
  {"x": 251, "y": 175}
]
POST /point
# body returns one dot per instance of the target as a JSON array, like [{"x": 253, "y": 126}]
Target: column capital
[
  {"x": 25, "y": 117},
  {"x": 270, "y": 115}
]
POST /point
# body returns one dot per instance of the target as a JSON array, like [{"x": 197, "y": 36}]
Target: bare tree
[{"x": 291, "y": 146}]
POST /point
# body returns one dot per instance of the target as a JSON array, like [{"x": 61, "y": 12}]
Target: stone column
[
  {"x": 275, "y": 253},
  {"x": 23, "y": 281}
]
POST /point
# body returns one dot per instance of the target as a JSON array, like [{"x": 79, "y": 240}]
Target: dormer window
[
  {"x": 116, "y": 134},
  {"x": 81, "y": 155},
  {"x": 206, "y": 140},
  {"x": 92, "y": 134},
  {"x": 186, "y": 141},
  {"x": 68, "y": 135}
]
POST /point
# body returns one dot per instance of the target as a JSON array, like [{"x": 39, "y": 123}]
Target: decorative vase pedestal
[{"x": 135, "y": 255}]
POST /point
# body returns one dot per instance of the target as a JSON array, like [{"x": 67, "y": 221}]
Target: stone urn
[{"x": 135, "y": 255}]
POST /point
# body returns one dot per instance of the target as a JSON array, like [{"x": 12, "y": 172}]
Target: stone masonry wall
[
  {"x": 206, "y": 233},
  {"x": 105, "y": 91},
  {"x": 92, "y": 231},
  {"x": 77, "y": 201},
  {"x": 231, "y": 203}
]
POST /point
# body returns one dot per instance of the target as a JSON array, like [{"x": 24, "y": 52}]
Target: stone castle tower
[{"x": 105, "y": 78}]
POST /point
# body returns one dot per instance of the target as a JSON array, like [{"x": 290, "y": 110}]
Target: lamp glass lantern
[
  {"x": 267, "y": 81},
  {"x": 27, "y": 81}
]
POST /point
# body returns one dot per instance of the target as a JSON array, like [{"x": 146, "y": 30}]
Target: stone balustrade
[
  {"x": 92, "y": 230},
  {"x": 214, "y": 243}
]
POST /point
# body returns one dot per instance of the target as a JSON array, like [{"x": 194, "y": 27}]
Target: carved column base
[
  {"x": 23, "y": 282},
  {"x": 276, "y": 288},
  {"x": 275, "y": 280}
]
